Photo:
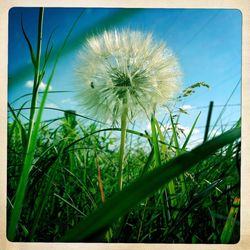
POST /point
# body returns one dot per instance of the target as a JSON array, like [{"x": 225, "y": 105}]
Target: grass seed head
[{"x": 118, "y": 68}]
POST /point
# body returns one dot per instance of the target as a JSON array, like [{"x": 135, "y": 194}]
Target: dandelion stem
[{"x": 122, "y": 144}]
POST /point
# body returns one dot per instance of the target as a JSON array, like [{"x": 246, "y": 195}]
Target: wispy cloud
[
  {"x": 51, "y": 105},
  {"x": 69, "y": 101},
  {"x": 42, "y": 86},
  {"x": 186, "y": 107}
]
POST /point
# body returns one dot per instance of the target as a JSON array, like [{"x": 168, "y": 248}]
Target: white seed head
[{"x": 125, "y": 68}]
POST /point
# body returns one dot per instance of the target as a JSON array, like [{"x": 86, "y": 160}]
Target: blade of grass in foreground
[
  {"x": 21, "y": 189},
  {"x": 229, "y": 226},
  {"x": 32, "y": 133},
  {"x": 123, "y": 201}
]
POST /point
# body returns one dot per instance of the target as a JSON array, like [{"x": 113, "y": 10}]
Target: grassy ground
[{"x": 63, "y": 178}]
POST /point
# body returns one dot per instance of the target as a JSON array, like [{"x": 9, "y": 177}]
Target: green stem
[
  {"x": 37, "y": 79},
  {"x": 20, "y": 193},
  {"x": 122, "y": 144}
]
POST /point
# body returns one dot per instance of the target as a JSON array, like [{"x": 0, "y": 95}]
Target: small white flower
[{"x": 126, "y": 68}]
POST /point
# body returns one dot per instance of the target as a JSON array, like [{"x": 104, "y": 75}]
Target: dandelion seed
[
  {"x": 121, "y": 74},
  {"x": 126, "y": 68}
]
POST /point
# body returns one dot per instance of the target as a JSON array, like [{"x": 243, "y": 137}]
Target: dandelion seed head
[{"x": 119, "y": 68}]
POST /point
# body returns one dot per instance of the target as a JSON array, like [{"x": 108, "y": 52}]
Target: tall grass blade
[
  {"x": 37, "y": 76},
  {"x": 231, "y": 219},
  {"x": 210, "y": 109},
  {"x": 16, "y": 212},
  {"x": 20, "y": 193}
]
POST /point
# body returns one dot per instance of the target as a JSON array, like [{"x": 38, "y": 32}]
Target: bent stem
[{"x": 122, "y": 144}]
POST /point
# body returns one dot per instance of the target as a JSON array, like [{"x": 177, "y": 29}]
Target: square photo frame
[{"x": 124, "y": 125}]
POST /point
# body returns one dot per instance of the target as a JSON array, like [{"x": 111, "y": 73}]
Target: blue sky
[{"x": 207, "y": 43}]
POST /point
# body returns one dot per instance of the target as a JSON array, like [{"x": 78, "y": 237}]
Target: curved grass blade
[
  {"x": 40, "y": 92},
  {"x": 63, "y": 110},
  {"x": 20, "y": 125},
  {"x": 21, "y": 189},
  {"x": 32, "y": 54},
  {"x": 123, "y": 201}
]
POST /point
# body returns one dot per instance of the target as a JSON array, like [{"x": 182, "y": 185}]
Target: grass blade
[
  {"x": 229, "y": 225},
  {"x": 155, "y": 143},
  {"x": 16, "y": 211},
  {"x": 20, "y": 125},
  {"x": 33, "y": 135},
  {"x": 32, "y": 54},
  {"x": 210, "y": 109},
  {"x": 190, "y": 133}
]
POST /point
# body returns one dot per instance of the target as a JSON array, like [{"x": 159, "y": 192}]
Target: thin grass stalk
[
  {"x": 122, "y": 145},
  {"x": 190, "y": 133},
  {"x": 32, "y": 135},
  {"x": 37, "y": 77},
  {"x": 210, "y": 109}
]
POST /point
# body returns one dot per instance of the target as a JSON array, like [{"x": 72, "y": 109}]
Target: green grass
[{"x": 63, "y": 175}]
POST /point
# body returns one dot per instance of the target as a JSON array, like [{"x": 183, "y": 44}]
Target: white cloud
[
  {"x": 69, "y": 101},
  {"x": 51, "y": 105},
  {"x": 42, "y": 86},
  {"x": 186, "y": 107}
]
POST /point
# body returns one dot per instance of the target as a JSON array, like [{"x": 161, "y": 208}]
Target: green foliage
[{"x": 63, "y": 188}]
